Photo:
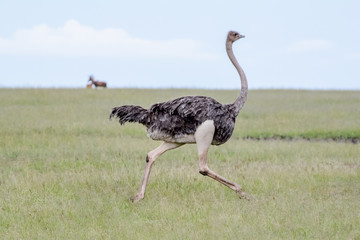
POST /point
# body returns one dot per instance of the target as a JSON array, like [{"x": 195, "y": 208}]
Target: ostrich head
[{"x": 233, "y": 36}]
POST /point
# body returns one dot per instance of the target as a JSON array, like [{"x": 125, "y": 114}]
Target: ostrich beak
[{"x": 241, "y": 36}]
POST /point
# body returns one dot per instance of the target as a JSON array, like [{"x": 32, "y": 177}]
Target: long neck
[{"x": 240, "y": 101}]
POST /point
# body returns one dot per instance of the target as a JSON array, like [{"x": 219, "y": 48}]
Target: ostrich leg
[
  {"x": 203, "y": 136},
  {"x": 150, "y": 159}
]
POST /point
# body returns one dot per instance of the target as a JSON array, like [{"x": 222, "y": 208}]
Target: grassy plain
[{"x": 66, "y": 172}]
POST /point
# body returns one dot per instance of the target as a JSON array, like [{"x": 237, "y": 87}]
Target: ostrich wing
[{"x": 183, "y": 115}]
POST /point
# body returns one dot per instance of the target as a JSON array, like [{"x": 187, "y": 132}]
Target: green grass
[{"x": 66, "y": 172}]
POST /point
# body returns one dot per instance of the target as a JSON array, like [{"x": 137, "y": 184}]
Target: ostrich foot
[
  {"x": 137, "y": 198},
  {"x": 243, "y": 195}
]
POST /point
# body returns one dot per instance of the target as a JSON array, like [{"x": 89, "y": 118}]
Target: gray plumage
[{"x": 180, "y": 117}]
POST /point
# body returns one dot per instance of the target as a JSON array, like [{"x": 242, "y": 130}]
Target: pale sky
[{"x": 160, "y": 44}]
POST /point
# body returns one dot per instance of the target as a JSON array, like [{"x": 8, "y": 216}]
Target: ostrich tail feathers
[{"x": 129, "y": 113}]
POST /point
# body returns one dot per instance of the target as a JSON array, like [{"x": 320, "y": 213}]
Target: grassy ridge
[
  {"x": 282, "y": 114},
  {"x": 302, "y": 114},
  {"x": 66, "y": 172}
]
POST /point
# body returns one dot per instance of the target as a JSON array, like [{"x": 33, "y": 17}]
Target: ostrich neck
[{"x": 240, "y": 101}]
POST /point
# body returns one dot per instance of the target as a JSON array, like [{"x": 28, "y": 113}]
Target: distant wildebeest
[{"x": 97, "y": 83}]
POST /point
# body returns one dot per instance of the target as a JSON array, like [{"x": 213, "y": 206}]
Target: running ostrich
[
  {"x": 97, "y": 83},
  {"x": 191, "y": 119}
]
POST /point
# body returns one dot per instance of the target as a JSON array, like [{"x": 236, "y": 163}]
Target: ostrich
[
  {"x": 97, "y": 83},
  {"x": 191, "y": 119}
]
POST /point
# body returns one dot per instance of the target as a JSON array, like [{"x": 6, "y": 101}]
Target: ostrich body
[
  {"x": 191, "y": 119},
  {"x": 97, "y": 83}
]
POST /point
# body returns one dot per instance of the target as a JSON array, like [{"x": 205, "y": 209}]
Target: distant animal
[
  {"x": 97, "y": 83},
  {"x": 89, "y": 85},
  {"x": 191, "y": 119}
]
